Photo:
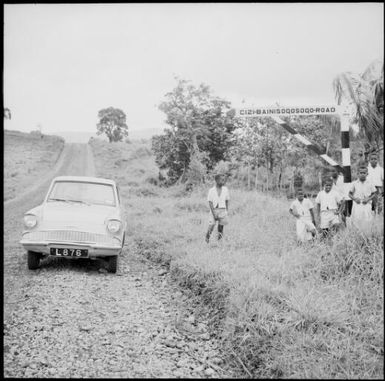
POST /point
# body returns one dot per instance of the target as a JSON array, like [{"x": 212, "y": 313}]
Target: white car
[{"x": 80, "y": 217}]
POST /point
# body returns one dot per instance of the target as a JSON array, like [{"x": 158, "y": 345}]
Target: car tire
[
  {"x": 33, "y": 260},
  {"x": 112, "y": 264}
]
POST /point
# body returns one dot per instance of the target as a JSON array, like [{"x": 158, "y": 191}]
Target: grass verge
[{"x": 280, "y": 310}]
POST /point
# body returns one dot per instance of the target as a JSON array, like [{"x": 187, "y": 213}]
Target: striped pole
[
  {"x": 311, "y": 146},
  {"x": 345, "y": 146}
]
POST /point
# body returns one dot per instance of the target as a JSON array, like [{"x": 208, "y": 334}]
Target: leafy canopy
[
  {"x": 112, "y": 122},
  {"x": 199, "y": 123}
]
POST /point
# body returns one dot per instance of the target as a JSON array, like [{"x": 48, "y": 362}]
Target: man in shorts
[
  {"x": 218, "y": 198},
  {"x": 329, "y": 203},
  {"x": 302, "y": 209}
]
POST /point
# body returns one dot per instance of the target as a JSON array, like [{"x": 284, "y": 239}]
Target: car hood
[{"x": 76, "y": 216}]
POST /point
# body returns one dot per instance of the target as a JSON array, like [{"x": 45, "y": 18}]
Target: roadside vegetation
[
  {"x": 280, "y": 310},
  {"x": 27, "y": 157}
]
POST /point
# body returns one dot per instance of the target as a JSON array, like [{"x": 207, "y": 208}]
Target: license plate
[{"x": 61, "y": 252}]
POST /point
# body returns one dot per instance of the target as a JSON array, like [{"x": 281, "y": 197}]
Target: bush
[
  {"x": 145, "y": 191},
  {"x": 151, "y": 180}
]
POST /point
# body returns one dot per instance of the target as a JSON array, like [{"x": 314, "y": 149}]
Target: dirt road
[{"x": 72, "y": 319}]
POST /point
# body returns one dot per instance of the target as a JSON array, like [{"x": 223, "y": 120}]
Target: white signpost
[{"x": 288, "y": 111}]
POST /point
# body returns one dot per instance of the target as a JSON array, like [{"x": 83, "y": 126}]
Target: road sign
[{"x": 287, "y": 111}]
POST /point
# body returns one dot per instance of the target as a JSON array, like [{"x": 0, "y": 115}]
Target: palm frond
[
  {"x": 345, "y": 86},
  {"x": 373, "y": 71},
  {"x": 365, "y": 93}
]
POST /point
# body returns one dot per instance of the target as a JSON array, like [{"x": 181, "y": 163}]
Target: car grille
[{"x": 69, "y": 236}]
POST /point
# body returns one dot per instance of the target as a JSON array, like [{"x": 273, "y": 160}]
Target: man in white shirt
[
  {"x": 376, "y": 177},
  {"x": 302, "y": 209},
  {"x": 329, "y": 204},
  {"x": 362, "y": 193},
  {"x": 339, "y": 186},
  {"x": 218, "y": 198}
]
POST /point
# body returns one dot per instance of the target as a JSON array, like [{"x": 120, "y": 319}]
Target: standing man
[
  {"x": 339, "y": 186},
  {"x": 302, "y": 209},
  {"x": 218, "y": 198},
  {"x": 329, "y": 204},
  {"x": 376, "y": 177},
  {"x": 362, "y": 193}
]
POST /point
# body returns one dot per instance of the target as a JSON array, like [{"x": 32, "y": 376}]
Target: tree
[
  {"x": 246, "y": 149},
  {"x": 260, "y": 143},
  {"x": 170, "y": 153},
  {"x": 365, "y": 94},
  {"x": 112, "y": 122},
  {"x": 199, "y": 123}
]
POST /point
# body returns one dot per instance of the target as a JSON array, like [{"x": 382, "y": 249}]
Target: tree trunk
[
  {"x": 278, "y": 180},
  {"x": 181, "y": 177},
  {"x": 237, "y": 176},
  {"x": 291, "y": 185},
  {"x": 256, "y": 178},
  {"x": 267, "y": 178},
  {"x": 195, "y": 148},
  {"x": 248, "y": 176},
  {"x": 320, "y": 180}
]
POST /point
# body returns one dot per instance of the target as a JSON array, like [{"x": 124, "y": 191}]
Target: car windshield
[{"x": 82, "y": 192}]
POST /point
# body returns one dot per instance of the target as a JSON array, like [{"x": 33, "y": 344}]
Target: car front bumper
[{"x": 97, "y": 245}]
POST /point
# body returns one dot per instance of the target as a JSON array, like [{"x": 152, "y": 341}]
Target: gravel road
[{"x": 73, "y": 319}]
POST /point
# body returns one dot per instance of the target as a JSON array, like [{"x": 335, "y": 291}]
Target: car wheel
[
  {"x": 112, "y": 264},
  {"x": 33, "y": 260}
]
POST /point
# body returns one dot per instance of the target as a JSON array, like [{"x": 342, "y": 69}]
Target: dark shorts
[
  {"x": 377, "y": 201},
  {"x": 347, "y": 208}
]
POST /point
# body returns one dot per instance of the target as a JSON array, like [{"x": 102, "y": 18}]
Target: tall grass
[{"x": 280, "y": 309}]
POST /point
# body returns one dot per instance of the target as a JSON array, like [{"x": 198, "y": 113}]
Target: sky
[{"x": 65, "y": 62}]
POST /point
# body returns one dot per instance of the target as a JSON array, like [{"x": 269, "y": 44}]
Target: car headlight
[
  {"x": 30, "y": 221},
  {"x": 113, "y": 226}
]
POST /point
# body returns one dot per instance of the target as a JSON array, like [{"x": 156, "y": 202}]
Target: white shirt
[
  {"x": 218, "y": 201},
  {"x": 375, "y": 175},
  {"x": 341, "y": 187},
  {"x": 328, "y": 201},
  {"x": 302, "y": 208},
  {"x": 363, "y": 189}
]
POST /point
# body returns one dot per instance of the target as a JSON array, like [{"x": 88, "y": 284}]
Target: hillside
[{"x": 26, "y": 158}]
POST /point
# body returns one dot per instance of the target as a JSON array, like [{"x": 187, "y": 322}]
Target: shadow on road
[{"x": 81, "y": 264}]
